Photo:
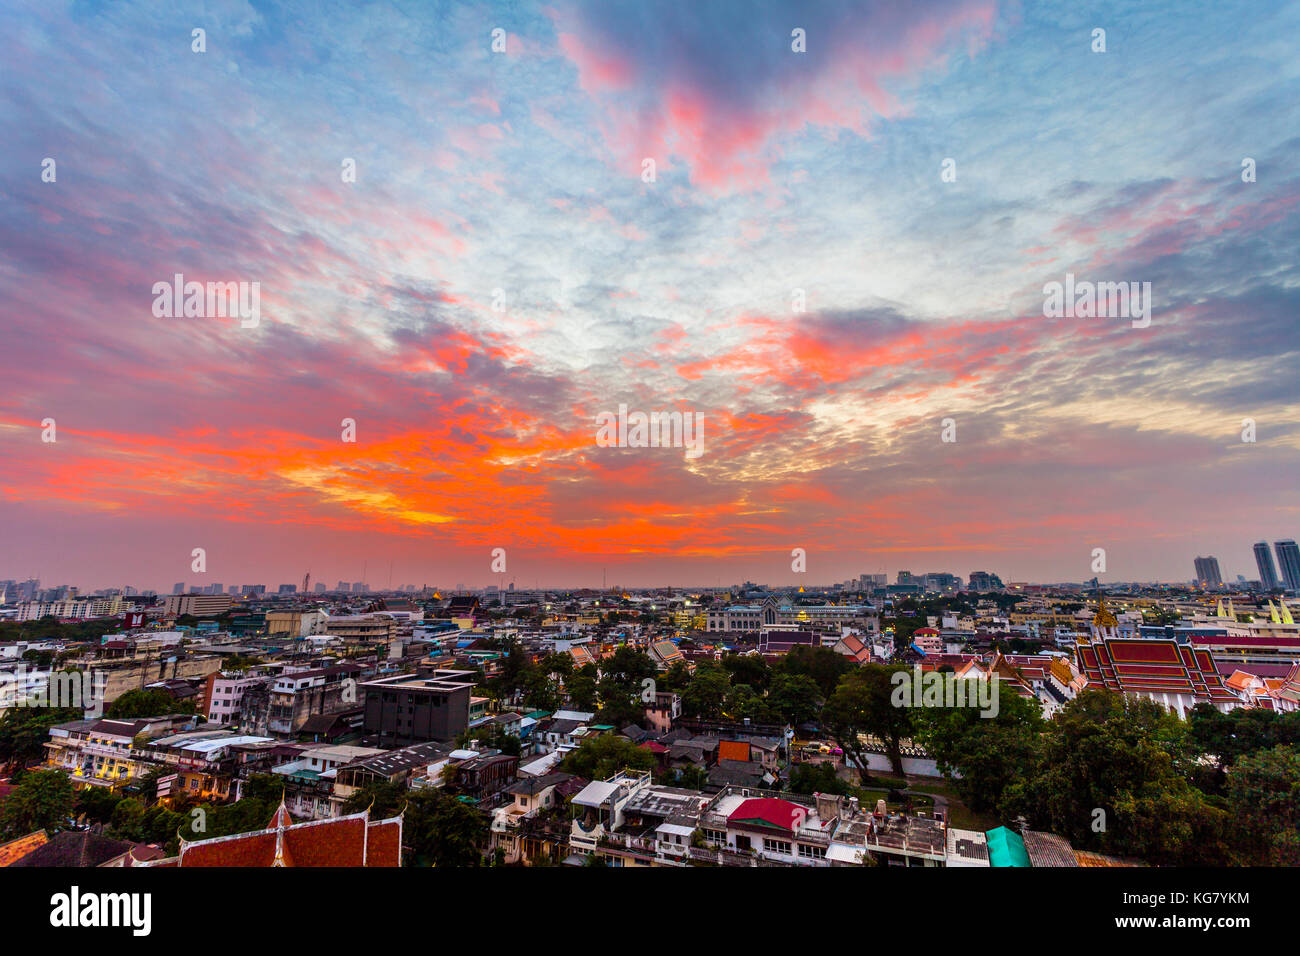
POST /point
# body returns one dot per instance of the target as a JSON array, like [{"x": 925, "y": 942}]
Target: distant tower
[
  {"x": 306, "y": 582},
  {"x": 1288, "y": 559},
  {"x": 1104, "y": 623},
  {"x": 1207, "y": 572},
  {"x": 1267, "y": 570}
]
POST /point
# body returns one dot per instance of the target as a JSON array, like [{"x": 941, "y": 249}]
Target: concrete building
[
  {"x": 280, "y": 707},
  {"x": 197, "y": 605},
  {"x": 1207, "y": 573},
  {"x": 412, "y": 708},
  {"x": 1288, "y": 559},
  {"x": 1267, "y": 570}
]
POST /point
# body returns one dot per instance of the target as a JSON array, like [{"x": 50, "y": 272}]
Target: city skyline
[
  {"x": 507, "y": 581},
  {"x": 859, "y": 325}
]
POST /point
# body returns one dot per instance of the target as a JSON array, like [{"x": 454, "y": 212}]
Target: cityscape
[
  {"x": 716, "y": 438},
  {"x": 613, "y": 727}
]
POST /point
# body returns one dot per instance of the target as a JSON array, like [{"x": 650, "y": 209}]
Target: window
[
  {"x": 776, "y": 846},
  {"x": 812, "y": 852}
]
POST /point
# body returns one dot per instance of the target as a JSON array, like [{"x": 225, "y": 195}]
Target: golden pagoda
[{"x": 1104, "y": 623}]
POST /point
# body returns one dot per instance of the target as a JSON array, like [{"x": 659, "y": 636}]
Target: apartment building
[
  {"x": 197, "y": 605},
  {"x": 754, "y": 617},
  {"x": 281, "y": 706},
  {"x": 413, "y": 708}
]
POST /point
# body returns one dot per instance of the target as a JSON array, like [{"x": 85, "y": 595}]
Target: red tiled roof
[
  {"x": 384, "y": 843},
  {"x": 339, "y": 842},
  {"x": 15, "y": 850},
  {"x": 1156, "y": 666},
  {"x": 353, "y": 840},
  {"x": 769, "y": 811}
]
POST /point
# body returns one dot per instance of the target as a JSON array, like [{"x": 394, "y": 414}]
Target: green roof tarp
[{"x": 1006, "y": 848}]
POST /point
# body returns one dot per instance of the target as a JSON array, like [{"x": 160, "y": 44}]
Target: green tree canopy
[
  {"x": 42, "y": 800},
  {"x": 147, "y": 703},
  {"x": 1264, "y": 795},
  {"x": 25, "y": 730},
  {"x": 706, "y": 694},
  {"x": 598, "y": 758},
  {"x": 982, "y": 755},
  {"x": 863, "y": 704},
  {"x": 1111, "y": 775}
]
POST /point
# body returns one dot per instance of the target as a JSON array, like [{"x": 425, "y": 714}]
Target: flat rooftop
[{"x": 435, "y": 681}]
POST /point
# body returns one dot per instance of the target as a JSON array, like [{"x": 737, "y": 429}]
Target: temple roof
[{"x": 353, "y": 840}]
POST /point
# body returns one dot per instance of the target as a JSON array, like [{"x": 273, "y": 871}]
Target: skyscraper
[
  {"x": 1207, "y": 572},
  {"x": 1267, "y": 570},
  {"x": 1288, "y": 560}
]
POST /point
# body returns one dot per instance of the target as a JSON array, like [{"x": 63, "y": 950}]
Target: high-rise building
[
  {"x": 199, "y": 605},
  {"x": 942, "y": 581},
  {"x": 984, "y": 581},
  {"x": 1288, "y": 561},
  {"x": 178, "y": 587},
  {"x": 1207, "y": 572},
  {"x": 1267, "y": 570}
]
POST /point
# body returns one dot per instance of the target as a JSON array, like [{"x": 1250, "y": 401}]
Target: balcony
[
  {"x": 104, "y": 750},
  {"x": 587, "y": 837}
]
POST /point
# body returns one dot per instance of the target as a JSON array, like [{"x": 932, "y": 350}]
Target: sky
[{"x": 838, "y": 262}]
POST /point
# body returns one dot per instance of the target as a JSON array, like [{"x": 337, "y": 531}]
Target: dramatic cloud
[{"x": 497, "y": 273}]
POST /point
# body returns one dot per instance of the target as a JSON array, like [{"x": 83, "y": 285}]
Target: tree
[
  {"x": 541, "y": 692},
  {"x": 628, "y": 667},
  {"x": 1110, "y": 775},
  {"x": 42, "y": 800},
  {"x": 558, "y": 664},
  {"x": 493, "y": 738},
  {"x": 676, "y": 678},
  {"x": 822, "y": 664},
  {"x": 443, "y": 831},
  {"x": 598, "y": 758},
  {"x": 744, "y": 704},
  {"x": 817, "y": 777},
  {"x": 147, "y": 703},
  {"x": 513, "y": 674},
  {"x": 624, "y": 677},
  {"x": 863, "y": 704},
  {"x": 795, "y": 697},
  {"x": 96, "y": 804},
  {"x": 982, "y": 755},
  {"x": 707, "y": 692},
  {"x": 582, "y": 689},
  {"x": 748, "y": 669},
  {"x": 24, "y": 731},
  {"x": 1245, "y": 730},
  {"x": 382, "y": 798},
  {"x": 1264, "y": 794}
]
